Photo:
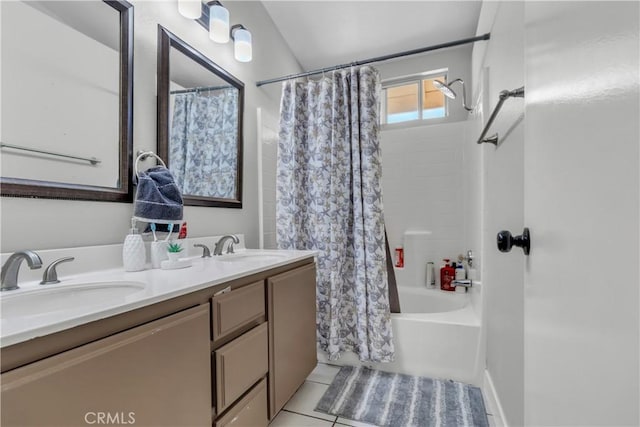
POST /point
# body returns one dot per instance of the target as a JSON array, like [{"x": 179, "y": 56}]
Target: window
[{"x": 413, "y": 98}]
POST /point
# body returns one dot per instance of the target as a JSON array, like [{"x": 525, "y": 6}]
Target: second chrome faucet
[{"x": 220, "y": 245}]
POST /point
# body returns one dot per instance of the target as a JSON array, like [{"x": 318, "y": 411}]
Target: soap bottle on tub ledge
[{"x": 447, "y": 275}]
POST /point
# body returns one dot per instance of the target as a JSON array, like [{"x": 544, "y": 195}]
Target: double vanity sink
[
  {"x": 34, "y": 309},
  {"x": 235, "y": 334}
]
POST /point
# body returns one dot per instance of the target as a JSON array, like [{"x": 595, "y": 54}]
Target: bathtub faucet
[{"x": 464, "y": 283}]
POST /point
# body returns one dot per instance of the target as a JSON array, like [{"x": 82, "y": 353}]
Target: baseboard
[{"x": 493, "y": 401}]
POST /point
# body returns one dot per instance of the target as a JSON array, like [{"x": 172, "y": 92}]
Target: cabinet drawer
[
  {"x": 250, "y": 411},
  {"x": 236, "y": 309},
  {"x": 239, "y": 365}
]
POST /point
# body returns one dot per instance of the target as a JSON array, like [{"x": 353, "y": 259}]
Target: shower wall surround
[
  {"x": 44, "y": 224},
  {"x": 422, "y": 182}
]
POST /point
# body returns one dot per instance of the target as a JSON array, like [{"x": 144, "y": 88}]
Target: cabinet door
[
  {"x": 158, "y": 374},
  {"x": 292, "y": 333}
]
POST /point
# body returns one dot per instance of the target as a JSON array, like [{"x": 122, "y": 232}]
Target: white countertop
[{"x": 159, "y": 285}]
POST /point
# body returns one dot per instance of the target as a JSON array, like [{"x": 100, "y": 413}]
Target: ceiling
[{"x": 326, "y": 33}]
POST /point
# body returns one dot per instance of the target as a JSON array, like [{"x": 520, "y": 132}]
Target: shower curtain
[
  {"x": 329, "y": 199},
  {"x": 203, "y": 152}
]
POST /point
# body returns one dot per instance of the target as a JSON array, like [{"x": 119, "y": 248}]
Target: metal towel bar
[
  {"x": 91, "y": 160},
  {"x": 504, "y": 95}
]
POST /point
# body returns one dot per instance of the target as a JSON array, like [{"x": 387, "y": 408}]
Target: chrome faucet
[
  {"x": 220, "y": 245},
  {"x": 9, "y": 274},
  {"x": 50, "y": 274}
]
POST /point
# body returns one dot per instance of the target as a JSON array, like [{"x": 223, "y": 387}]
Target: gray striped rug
[{"x": 389, "y": 399}]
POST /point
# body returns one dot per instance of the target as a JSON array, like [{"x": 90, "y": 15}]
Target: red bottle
[
  {"x": 183, "y": 231},
  {"x": 399, "y": 258},
  {"x": 447, "y": 275}
]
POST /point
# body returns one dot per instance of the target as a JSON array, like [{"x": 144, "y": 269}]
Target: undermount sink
[
  {"x": 252, "y": 257},
  {"x": 67, "y": 298}
]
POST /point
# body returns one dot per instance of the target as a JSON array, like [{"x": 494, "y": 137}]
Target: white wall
[
  {"x": 40, "y": 223},
  {"x": 498, "y": 65},
  {"x": 582, "y": 203}
]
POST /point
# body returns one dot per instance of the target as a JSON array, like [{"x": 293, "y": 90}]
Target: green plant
[{"x": 174, "y": 247}]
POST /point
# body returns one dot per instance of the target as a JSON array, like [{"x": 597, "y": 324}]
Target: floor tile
[
  {"x": 306, "y": 399},
  {"x": 346, "y": 422},
  {"x": 289, "y": 419},
  {"x": 323, "y": 373}
]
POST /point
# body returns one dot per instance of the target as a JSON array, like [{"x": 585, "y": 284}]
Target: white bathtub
[{"x": 437, "y": 335}]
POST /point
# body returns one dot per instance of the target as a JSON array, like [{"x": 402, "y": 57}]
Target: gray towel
[{"x": 158, "y": 197}]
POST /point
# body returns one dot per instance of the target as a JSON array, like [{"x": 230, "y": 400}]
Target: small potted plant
[{"x": 173, "y": 250}]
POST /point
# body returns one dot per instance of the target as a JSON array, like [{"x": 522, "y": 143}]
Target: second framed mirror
[{"x": 200, "y": 109}]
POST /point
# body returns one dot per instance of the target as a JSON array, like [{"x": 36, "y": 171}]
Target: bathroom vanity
[{"x": 230, "y": 352}]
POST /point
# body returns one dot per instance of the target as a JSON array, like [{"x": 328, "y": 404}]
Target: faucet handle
[
  {"x": 206, "y": 253},
  {"x": 50, "y": 274}
]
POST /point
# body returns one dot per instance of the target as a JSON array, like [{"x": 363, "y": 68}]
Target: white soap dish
[{"x": 173, "y": 265}]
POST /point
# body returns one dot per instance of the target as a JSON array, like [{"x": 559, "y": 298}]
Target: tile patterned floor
[{"x": 298, "y": 412}]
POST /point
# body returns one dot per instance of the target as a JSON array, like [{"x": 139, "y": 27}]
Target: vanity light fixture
[
  {"x": 191, "y": 9},
  {"x": 242, "y": 48},
  {"x": 215, "y": 19},
  {"x": 218, "y": 22}
]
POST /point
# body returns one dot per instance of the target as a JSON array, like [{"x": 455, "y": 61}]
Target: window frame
[{"x": 405, "y": 80}]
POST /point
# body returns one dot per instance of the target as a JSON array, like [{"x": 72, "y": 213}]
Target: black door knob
[{"x": 506, "y": 241}]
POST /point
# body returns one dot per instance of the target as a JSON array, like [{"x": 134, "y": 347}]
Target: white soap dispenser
[{"x": 134, "y": 255}]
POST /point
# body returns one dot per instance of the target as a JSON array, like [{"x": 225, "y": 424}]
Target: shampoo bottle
[
  {"x": 461, "y": 274},
  {"x": 447, "y": 274},
  {"x": 134, "y": 255}
]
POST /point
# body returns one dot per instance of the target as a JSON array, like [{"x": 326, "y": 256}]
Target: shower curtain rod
[
  {"x": 199, "y": 89},
  {"x": 486, "y": 36}
]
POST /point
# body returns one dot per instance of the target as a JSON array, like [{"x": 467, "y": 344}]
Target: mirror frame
[
  {"x": 19, "y": 187},
  {"x": 166, "y": 41}
]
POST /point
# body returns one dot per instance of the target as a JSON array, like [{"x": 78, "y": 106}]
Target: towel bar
[{"x": 504, "y": 95}]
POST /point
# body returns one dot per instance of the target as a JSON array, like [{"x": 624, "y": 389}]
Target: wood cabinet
[
  {"x": 291, "y": 300},
  {"x": 157, "y": 374},
  {"x": 230, "y": 358}
]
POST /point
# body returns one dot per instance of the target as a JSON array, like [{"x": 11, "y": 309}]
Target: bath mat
[{"x": 389, "y": 399}]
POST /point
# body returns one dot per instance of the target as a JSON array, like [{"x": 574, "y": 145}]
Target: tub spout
[{"x": 464, "y": 283}]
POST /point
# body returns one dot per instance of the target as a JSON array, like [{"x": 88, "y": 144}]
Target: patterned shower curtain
[
  {"x": 203, "y": 152},
  {"x": 329, "y": 198}
]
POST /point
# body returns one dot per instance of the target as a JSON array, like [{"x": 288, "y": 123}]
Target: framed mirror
[
  {"x": 200, "y": 107},
  {"x": 67, "y": 99}
]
